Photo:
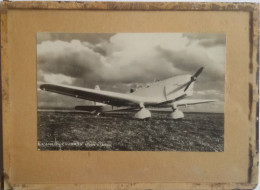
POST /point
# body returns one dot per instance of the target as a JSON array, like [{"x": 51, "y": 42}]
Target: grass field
[{"x": 59, "y": 130}]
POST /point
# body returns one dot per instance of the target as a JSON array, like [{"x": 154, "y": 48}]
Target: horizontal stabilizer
[
  {"x": 170, "y": 101},
  {"x": 89, "y": 108},
  {"x": 122, "y": 109},
  {"x": 185, "y": 102}
]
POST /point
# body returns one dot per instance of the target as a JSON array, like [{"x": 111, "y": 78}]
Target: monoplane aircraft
[{"x": 171, "y": 92}]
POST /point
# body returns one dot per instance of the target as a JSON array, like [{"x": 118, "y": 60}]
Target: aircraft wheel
[
  {"x": 177, "y": 114},
  {"x": 143, "y": 114}
]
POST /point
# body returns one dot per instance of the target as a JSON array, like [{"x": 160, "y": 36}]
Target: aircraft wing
[
  {"x": 185, "y": 102},
  {"x": 111, "y": 98}
]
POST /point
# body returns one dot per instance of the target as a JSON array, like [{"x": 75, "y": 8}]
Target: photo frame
[{"x": 25, "y": 167}]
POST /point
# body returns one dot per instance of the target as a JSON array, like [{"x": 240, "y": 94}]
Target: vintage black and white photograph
[{"x": 131, "y": 91}]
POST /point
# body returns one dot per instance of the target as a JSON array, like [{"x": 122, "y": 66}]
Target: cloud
[
  {"x": 190, "y": 60},
  {"x": 72, "y": 59},
  {"x": 207, "y": 40},
  {"x": 81, "y": 62},
  {"x": 58, "y": 78},
  {"x": 118, "y": 62},
  {"x": 52, "y": 100},
  {"x": 92, "y": 38}
]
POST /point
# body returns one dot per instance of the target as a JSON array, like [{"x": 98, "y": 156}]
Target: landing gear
[
  {"x": 176, "y": 114},
  {"x": 143, "y": 113}
]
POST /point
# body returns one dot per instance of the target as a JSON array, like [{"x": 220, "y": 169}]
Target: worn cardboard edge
[
  {"x": 1, "y": 129},
  {"x": 253, "y": 87},
  {"x": 137, "y": 186},
  {"x": 253, "y": 94},
  {"x": 179, "y": 6},
  {"x": 5, "y": 99}
]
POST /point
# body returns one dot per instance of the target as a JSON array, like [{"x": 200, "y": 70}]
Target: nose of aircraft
[
  {"x": 194, "y": 78},
  {"x": 42, "y": 87}
]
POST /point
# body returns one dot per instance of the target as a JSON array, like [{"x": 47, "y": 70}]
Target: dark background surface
[{"x": 66, "y": 130}]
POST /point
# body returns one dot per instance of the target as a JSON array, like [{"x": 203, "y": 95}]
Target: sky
[{"x": 121, "y": 61}]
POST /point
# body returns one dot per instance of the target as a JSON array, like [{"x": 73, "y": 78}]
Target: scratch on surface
[
  {"x": 7, "y": 184},
  {"x": 249, "y": 179},
  {"x": 251, "y": 40},
  {"x": 250, "y": 100}
]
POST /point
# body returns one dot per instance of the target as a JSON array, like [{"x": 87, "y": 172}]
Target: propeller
[{"x": 193, "y": 78}]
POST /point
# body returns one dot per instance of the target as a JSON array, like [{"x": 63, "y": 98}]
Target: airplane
[{"x": 171, "y": 92}]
